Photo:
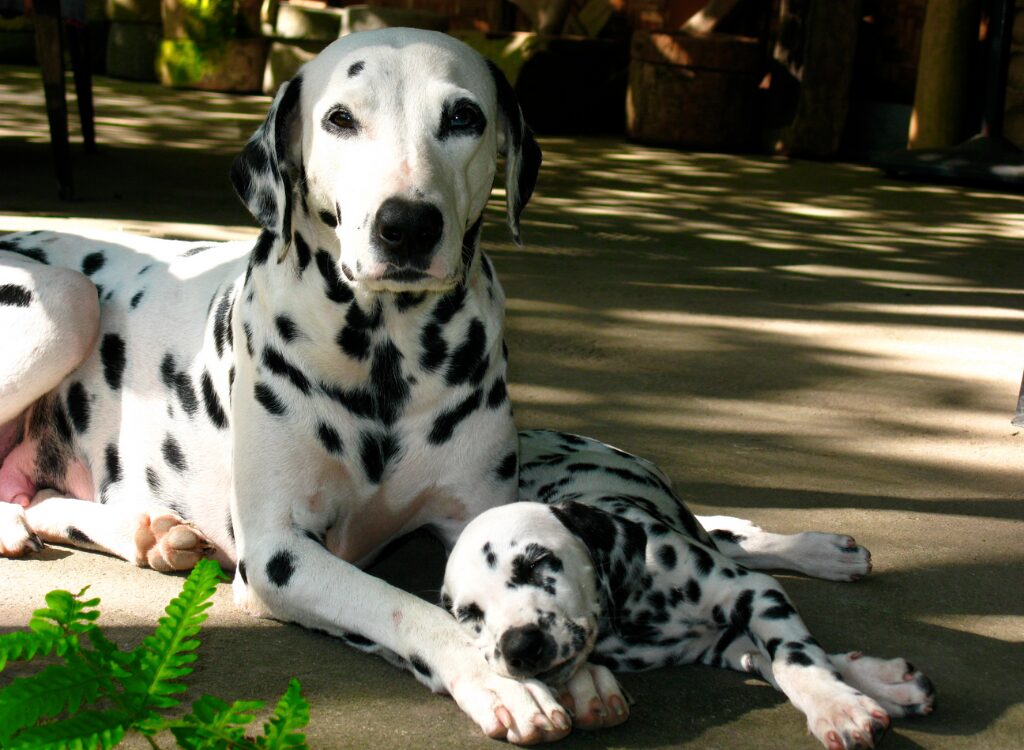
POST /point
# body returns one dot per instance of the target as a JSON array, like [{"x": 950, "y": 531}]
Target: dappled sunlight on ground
[{"x": 133, "y": 115}]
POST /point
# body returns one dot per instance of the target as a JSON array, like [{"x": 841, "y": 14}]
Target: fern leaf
[
  {"x": 290, "y": 715},
  {"x": 164, "y": 655},
  {"x": 26, "y": 646},
  {"x": 67, "y": 611},
  {"x": 89, "y": 730},
  {"x": 55, "y": 689},
  {"x": 215, "y": 724}
]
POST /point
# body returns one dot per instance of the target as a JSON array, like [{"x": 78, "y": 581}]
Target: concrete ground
[{"x": 808, "y": 345}]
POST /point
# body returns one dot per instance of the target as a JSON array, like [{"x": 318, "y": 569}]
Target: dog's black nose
[
  {"x": 526, "y": 649},
  {"x": 406, "y": 232}
]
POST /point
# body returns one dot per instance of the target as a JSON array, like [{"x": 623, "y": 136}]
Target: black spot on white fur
[
  {"x": 113, "y": 357},
  {"x": 14, "y": 295},
  {"x": 78, "y": 407},
  {"x": 173, "y": 454},
  {"x": 93, "y": 262},
  {"x": 214, "y": 410},
  {"x": 268, "y": 399},
  {"x": 280, "y": 568}
]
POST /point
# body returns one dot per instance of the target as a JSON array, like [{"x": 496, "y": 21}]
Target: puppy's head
[
  {"x": 389, "y": 139},
  {"x": 524, "y": 586}
]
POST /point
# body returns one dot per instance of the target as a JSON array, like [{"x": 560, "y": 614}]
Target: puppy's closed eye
[{"x": 470, "y": 613}]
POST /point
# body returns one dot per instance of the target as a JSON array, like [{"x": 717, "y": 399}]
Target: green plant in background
[
  {"x": 210, "y": 23},
  {"x": 98, "y": 692}
]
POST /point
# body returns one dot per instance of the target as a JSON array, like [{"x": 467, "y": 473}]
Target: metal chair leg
[
  {"x": 48, "y": 46},
  {"x": 78, "y": 45}
]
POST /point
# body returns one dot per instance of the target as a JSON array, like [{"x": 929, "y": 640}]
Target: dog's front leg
[
  {"x": 289, "y": 576},
  {"x": 298, "y": 580}
]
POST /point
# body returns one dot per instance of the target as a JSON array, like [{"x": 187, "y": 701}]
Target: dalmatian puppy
[
  {"x": 601, "y": 568},
  {"x": 291, "y": 405}
]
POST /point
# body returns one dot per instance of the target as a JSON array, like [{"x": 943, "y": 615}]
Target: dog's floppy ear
[
  {"x": 522, "y": 154},
  {"x": 263, "y": 174},
  {"x": 617, "y": 547}
]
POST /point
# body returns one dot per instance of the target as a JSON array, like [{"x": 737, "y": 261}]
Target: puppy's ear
[
  {"x": 263, "y": 173},
  {"x": 617, "y": 547},
  {"x": 522, "y": 154},
  {"x": 601, "y": 532}
]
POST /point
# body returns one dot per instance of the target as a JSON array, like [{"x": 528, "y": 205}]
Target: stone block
[
  {"x": 284, "y": 60},
  {"x": 327, "y": 24}
]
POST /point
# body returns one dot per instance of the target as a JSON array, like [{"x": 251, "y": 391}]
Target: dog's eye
[
  {"x": 464, "y": 117},
  {"x": 470, "y": 613},
  {"x": 340, "y": 119}
]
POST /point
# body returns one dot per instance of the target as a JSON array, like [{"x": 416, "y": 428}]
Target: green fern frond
[
  {"x": 215, "y": 724},
  {"x": 290, "y": 715},
  {"x": 57, "y": 708},
  {"x": 26, "y": 646},
  {"x": 67, "y": 611},
  {"x": 89, "y": 730},
  {"x": 58, "y": 688},
  {"x": 165, "y": 655}
]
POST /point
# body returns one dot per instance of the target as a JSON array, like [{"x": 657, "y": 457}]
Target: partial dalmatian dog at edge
[
  {"x": 601, "y": 568},
  {"x": 291, "y": 405}
]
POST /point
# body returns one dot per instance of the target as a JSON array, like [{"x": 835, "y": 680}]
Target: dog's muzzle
[{"x": 405, "y": 234}]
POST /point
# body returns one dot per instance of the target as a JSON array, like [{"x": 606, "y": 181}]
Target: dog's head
[
  {"x": 388, "y": 143},
  {"x": 523, "y": 580}
]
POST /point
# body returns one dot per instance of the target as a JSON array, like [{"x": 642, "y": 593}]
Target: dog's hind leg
[
  {"x": 762, "y": 632},
  {"x": 835, "y": 557},
  {"x": 156, "y": 539},
  {"x": 49, "y": 318}
]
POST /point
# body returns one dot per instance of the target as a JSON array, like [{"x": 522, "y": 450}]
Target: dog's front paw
[
  {"x": 847, "y": 719},
  {"x": 16, "y": 538},
  {"x": 594, "y": 698},
  {"x": 524, "y": 713},
  {"x": 165, "y": 542},
  {"x": 895, "y": 683},
  {"x": 833, "y": 557}
]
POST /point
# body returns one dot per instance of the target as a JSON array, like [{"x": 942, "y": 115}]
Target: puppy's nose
[
  {"x": 526, "y": 649},
  {"x": 406, "y": 232}
]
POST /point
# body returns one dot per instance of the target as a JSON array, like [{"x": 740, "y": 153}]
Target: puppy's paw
[
  {"x": 165, "y": 542},
  {"x": 595, "y": 699},
  {"x": 901, "y": 689},
  {"x": 833, "y": 557}
]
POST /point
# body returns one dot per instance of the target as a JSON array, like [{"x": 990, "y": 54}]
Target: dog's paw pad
[{"x": 166, "y": 543}]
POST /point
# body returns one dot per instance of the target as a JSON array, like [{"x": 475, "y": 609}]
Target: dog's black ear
[
  {"x": 522, "y": 154},
  {"x": 602, "y": 533},
  {"x": 263, "y": 174},
  {"x": 617, "y": 548}
]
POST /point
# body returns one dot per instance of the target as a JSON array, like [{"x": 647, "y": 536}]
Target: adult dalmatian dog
[
  {"x": 290, "y": 406},
  {"x": 601, "y": 568}
]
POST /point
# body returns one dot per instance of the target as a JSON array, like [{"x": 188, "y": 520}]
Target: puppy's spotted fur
[{"x": 601, "y": 567}]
